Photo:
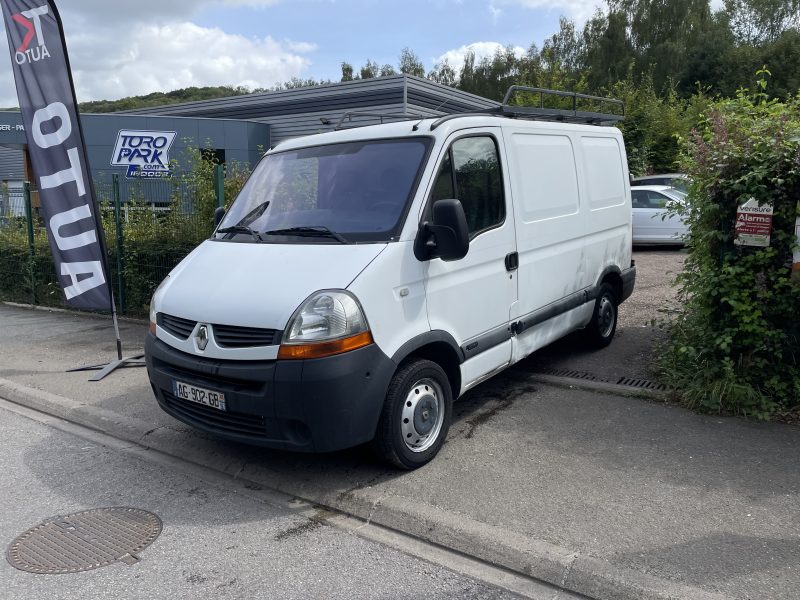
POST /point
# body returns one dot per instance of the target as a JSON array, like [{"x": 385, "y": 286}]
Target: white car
[
  {"x": 651, "y": 223},
  {"x": 679, "y": 181}
]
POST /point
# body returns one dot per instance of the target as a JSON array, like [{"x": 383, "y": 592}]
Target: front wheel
[
  {"x": 603, "y": 325},
  {"x": 416, "y": 415}
]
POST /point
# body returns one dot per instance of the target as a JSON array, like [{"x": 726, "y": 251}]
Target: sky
[{"x": 120, "y": 48}]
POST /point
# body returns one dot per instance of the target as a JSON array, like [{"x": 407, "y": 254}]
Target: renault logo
[{"x": 202, "y": 337}]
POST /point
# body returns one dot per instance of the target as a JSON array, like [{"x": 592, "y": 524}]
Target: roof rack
[
  {"x": 537, "y": 113},
  {"x": 542, "y": 113},
  {"x": 573, "y": 115},
  {"x": 399, "y": 116}
]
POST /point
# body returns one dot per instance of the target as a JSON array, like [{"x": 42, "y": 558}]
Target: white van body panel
[
  {"x": 392, "y": 293},
  {"x": 570, "y": 194},
  {"x": 221, "y": 283},
  {"x": 607, "y": 187}
]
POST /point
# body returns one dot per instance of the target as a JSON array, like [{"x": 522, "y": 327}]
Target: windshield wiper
[
  {"x": 311, "y": 231},
  {"x": 241, "y": 229},
  {"x": 254, "y": 214}
]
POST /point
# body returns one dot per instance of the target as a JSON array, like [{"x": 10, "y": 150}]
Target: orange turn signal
[
  {"x": 152, "y": 327},
  {"x": 322, "y": 349}
]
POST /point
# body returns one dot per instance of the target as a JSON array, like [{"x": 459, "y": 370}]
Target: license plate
[{"x": 204, "y": 396}]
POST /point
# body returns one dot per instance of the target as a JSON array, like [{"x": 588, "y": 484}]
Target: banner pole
[{"x": 26, "y": 192}]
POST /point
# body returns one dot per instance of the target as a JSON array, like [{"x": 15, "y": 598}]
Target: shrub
[{"x": 734, "y": 345}]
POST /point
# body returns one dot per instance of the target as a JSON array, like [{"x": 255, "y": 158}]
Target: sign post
[{"x": 57, "y": 152}]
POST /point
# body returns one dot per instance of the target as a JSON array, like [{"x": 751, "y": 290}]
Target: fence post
[
  {"x": 26, "y": 193},
  {"x": 115, "y": 191},
  {"x": 219, "y": 184}
]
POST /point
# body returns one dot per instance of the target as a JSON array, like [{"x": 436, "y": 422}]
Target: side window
[
  {"x": 471, "y": 173},
  {"x": 657, "y": 200},
  {"x": 639, "y": 199}
]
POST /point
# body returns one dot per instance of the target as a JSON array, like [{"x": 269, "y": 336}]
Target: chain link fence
[{"x": 149, "y": 225}]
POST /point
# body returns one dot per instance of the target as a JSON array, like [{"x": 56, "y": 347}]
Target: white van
[{"x": 366, "y": 278}]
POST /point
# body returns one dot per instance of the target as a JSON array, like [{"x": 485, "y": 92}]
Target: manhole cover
[{"x": 84, "y": 540}]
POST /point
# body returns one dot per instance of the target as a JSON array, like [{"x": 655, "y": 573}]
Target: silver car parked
[
  {"x": 679, "y": 181},
  {"x": 651, "y": 223}
]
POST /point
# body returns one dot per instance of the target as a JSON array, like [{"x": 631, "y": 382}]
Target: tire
[
  {"x": 603, "y": 325},
  {"x": 416, "y": 415}
]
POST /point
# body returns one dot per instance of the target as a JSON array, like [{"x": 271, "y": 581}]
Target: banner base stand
[{"x": 108, "y": 368}]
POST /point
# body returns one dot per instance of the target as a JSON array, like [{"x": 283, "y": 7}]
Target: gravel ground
[{"x": 656, "y": 270}]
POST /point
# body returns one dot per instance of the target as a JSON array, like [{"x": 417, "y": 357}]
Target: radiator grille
[
  {"x": 180, "y": 328},
  {"x": 230, "y": 336}
]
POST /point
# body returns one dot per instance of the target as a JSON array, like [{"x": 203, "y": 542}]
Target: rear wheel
[
  {"x": 416, "y": 415},
  {"x": 603, "y": 325}
]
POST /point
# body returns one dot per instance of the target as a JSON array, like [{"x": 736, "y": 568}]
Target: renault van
[{"x": 366, "y": 278}]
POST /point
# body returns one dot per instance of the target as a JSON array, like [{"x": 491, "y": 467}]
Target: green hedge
[{"x": 734, "y": 346}]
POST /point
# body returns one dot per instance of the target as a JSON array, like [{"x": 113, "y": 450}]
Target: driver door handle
[{"x": 512, "y": 261}]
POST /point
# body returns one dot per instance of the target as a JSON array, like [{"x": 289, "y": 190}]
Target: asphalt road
[{"x": 216, "y": 543}]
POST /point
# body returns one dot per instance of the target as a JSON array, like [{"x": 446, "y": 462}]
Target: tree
[
  {"x": 756, "y": 22},
  {"x": 608, "y": 49},
  {"x": 369, "y": 70},
  {"x": 443, "y": 73},
  {"x": 566, "y": 47},
  {"x": 491, "y": 76},
  {"x": 410, "y": 64},
  {"x": 347, "y": 72}
]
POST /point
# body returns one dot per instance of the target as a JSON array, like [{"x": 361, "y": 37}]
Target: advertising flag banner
[{"x": 57, "y": 151}]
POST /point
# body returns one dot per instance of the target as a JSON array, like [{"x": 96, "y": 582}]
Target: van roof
[
  {"x": 421, "y": 127},
  {"x": 582, "y": 110}
]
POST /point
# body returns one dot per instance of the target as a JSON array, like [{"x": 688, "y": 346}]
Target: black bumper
[
  {"x": 628, "y": 281},
  {"x": 315, "y": 405}
]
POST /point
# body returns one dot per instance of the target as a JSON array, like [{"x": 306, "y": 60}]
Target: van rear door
[{"x": 471, "y": 298}]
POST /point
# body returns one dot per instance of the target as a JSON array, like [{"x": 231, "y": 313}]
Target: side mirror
[
  {"x": 447, "y": 237},
  {"x": 219, "y": 214}
]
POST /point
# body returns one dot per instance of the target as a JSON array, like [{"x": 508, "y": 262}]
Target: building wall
[
  {"x": 11, "y": 164},
  {"x": 315, "y": 109},
  {"x": 242, "y": 141}
]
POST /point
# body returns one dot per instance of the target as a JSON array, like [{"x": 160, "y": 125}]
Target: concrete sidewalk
[{"x": 603, "y": 495}]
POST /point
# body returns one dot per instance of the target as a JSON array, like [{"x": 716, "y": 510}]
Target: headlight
[
  {"x": 329, "y": 322},
  {"x": 153, "y": 305}
]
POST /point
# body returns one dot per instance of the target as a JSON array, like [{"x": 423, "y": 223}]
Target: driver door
[{"x": 471, "y": 298}]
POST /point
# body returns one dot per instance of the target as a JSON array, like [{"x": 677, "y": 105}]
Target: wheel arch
[
  {"x": 439, "y": 347},
  {"x": 613, "y": 276}
]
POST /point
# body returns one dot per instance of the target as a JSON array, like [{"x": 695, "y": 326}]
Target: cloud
[
  {"x": 111, "y": 58},
  {"x": 579, "y": 10},
  {"x": 456, "y": 56}
]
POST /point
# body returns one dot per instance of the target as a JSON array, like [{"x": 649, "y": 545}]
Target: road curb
[{"x": 497, "y": 546}]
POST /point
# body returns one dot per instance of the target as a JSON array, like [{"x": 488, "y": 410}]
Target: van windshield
[{"x": 339, "y": 193}]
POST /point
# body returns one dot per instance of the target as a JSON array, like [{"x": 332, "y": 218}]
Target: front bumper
[{"x": 316, "y": 405}]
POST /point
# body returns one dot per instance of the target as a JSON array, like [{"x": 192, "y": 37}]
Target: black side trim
[
  {"x": 429, "y": 337},
  {"x": 628, "y": 282},
  {"x": 486, "y": 341},
  {"x": 556, "y": 308}
]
